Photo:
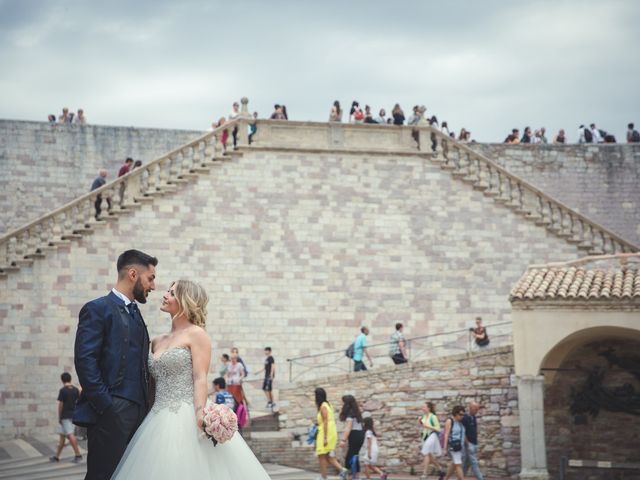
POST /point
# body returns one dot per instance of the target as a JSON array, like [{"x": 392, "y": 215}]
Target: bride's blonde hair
[{"x": 192, "y": 300}]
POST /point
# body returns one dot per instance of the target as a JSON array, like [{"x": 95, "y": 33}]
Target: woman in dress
[
  {"x": 170, "y": 444},
  {"x": 327, "y": 435},
  {"x": 430, "y": 441},
  {"x": 336, "y": 112},
  {"x": 353, "y": 435}
]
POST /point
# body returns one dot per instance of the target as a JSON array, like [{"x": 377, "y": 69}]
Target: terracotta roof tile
[{"x": 607, "y": 277}]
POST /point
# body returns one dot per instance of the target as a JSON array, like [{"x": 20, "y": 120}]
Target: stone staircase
[{"x": 71, "y": 222}]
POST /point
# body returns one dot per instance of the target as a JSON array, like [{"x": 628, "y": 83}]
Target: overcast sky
[{"x": 484, "y": 65}]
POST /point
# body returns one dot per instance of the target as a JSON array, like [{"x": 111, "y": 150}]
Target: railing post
[{"x": 242, "y": 124}]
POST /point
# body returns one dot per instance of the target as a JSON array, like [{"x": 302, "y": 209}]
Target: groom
[{"x": 111, "y": 354}]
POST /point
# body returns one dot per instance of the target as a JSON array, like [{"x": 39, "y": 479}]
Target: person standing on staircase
[
  {"x": 100, "y": 181},
  {"x": 124, "y": 169}
]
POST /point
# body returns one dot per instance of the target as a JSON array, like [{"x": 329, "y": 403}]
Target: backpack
[
  {"x": 350, "y": 351},
  {"x": 241, "y": 413},
  {"x": 635, "y": 136},
  {"x": 588, "y": 136}
]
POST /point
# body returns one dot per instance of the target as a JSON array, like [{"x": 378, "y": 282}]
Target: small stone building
[{"x": 576, "y": 332}]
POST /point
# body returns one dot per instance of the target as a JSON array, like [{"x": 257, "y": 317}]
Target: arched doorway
[{"x": 592, "y": 399}]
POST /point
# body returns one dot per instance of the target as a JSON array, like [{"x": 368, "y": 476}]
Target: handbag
[{"x": 313, "y": 433}]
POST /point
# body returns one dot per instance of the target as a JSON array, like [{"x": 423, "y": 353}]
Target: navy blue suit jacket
[{"x": 100, "y": 355}]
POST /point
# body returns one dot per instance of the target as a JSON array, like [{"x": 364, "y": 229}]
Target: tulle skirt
[{"x": 169, "y": 446}]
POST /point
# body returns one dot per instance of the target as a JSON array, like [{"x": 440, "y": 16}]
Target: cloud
[{"x": 487, "y": 66}]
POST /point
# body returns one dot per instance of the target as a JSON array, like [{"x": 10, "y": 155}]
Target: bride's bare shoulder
[{"x": 199, "y": 335}]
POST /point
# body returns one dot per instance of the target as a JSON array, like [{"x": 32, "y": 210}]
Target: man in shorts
[
  {"x": 269, "y": 374},
  {"x": 67, "y": 398}
]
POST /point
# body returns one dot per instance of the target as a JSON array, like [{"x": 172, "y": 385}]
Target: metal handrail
[{"x": 294, "y": 360}]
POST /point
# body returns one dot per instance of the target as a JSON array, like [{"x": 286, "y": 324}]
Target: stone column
[
  {"x": 533, "y": 452},
  {"x": 243, "y": 123}
]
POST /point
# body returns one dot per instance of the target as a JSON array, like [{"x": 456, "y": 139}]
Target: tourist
[
  {"x": 253, "y": 127},
  {"x": 454, "y": 437},
  {"x": 224, "y": 360},
  {"x": 284, "y": 112},
  {"x": 471, "y": 436},
  {"x": 224, "y": 135},
  {"x": 80, "y": 119},
  {"x": 368, "y": 117},
  {"x": 277, "y": 113},
  {"x": 513, "y": 137},
  {"x": 355, "y": 114},
  {"x": 479, "y": 333},
  {"x": 370, "y": 457},
  {"x": 360, "y": 350},
  {"x": 236, "y": 352},
  {"x": 632, "y": 134},
  {"x": 560, "y": 138},
  {"x": 398, "y": 346},
  {"x": 336, "y": 112},
  {"x": 124, "y": 169},
  {"x": 235, "y": 113},
  {"x": 51, "y": 118},
  {"x": 67, "y": 398},
  {"x": 526, "y": 136},
  {"x": 596, "y": 136},
  {"x": 397, "y": 114},
  {"x": 463, "y": 136},
  {"x": 269, "y": 375},
  {"x": 235, "y": 374},
  {"x": 433, "y": 122},
  {"x": 543, "y": 136},
  {"x": 100, "y": 181},
  {"x": 222, "y": 396},
  {"x": 353, "y": 434},
  {"x": 66, "y": 117},
  {"x": 382, "y": 114},
  {"x": 584, "y": 135},
  {"x": 415, "y": 117},
  {"x": 430, "y": 449},
  {"x": 327, "y": 435},
  {"x": 445, "y": 128}
]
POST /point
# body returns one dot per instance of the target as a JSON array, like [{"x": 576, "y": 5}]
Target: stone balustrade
[
  {"x": 21, "y": 246},
  {"x": 524, "y": 198},
  {"x": 161, "y": 175}
]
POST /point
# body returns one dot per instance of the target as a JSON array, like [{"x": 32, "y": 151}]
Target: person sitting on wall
[{"x": 480, "y": 334}]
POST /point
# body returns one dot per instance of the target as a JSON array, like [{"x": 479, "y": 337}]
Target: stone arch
[{"x": 557, "y": 354}]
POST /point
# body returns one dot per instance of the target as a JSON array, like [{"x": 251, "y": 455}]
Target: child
[
  {"x": 370, "y": 457},
  {"x": 67, "y": 398},
  {"x": 222, "y": 396}
]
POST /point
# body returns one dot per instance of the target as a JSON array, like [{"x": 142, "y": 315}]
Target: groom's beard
[{"x": 138, "y": 292}]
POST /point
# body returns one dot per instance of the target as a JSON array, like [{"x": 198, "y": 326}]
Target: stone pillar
[
  {"x": 533, "y": 451},
  {"x": 243, "y": 123}
]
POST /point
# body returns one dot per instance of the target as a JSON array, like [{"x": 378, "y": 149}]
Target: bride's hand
[{"x": 200, "y": 419}]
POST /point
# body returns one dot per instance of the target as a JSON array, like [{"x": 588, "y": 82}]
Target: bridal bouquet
[{"x": 220, "y": 423}]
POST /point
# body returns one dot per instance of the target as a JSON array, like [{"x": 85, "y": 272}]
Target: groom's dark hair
[{"x": 134, "y": 257}]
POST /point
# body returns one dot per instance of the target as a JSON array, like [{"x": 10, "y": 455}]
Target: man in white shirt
[
  {"x": 595, "y": 133},
  {"x": 235, "y": 113}
]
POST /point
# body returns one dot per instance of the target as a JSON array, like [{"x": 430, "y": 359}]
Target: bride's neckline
[{"x": 179, "y": 347}]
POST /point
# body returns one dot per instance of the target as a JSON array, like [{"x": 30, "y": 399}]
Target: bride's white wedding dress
[{"x": 169, "y": 446}]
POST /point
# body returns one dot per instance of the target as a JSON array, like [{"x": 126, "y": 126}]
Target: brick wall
[
  {"x": 297, "y": 250},
  {"x": 599, "y": 181},
  {"x": 610, "y": 436},
  {"x": 43, "y": 166},
  {"x": 394, "y": 396}
]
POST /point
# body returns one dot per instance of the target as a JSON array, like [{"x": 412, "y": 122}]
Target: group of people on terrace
[
  {"x": 590, "y": 134},
  {"x": 69, "y": 117}
]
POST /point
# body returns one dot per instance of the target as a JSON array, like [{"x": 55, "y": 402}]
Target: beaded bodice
[{"x": 173, "y": 374}]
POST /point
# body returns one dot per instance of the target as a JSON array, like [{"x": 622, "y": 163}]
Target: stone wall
[
  {"x": 608, "y": 436},
  {"x": 43, "y": 165},
  {"x": 295, "y": 249},
  {"x": 599, "y": 181},
  {"x": 394, "y": 396}
]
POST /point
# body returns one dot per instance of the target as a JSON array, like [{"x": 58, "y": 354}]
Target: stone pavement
[{"x": 28, "y": 459}]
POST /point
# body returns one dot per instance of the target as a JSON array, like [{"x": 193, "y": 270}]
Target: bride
[{"x": 170, "y": 444}]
